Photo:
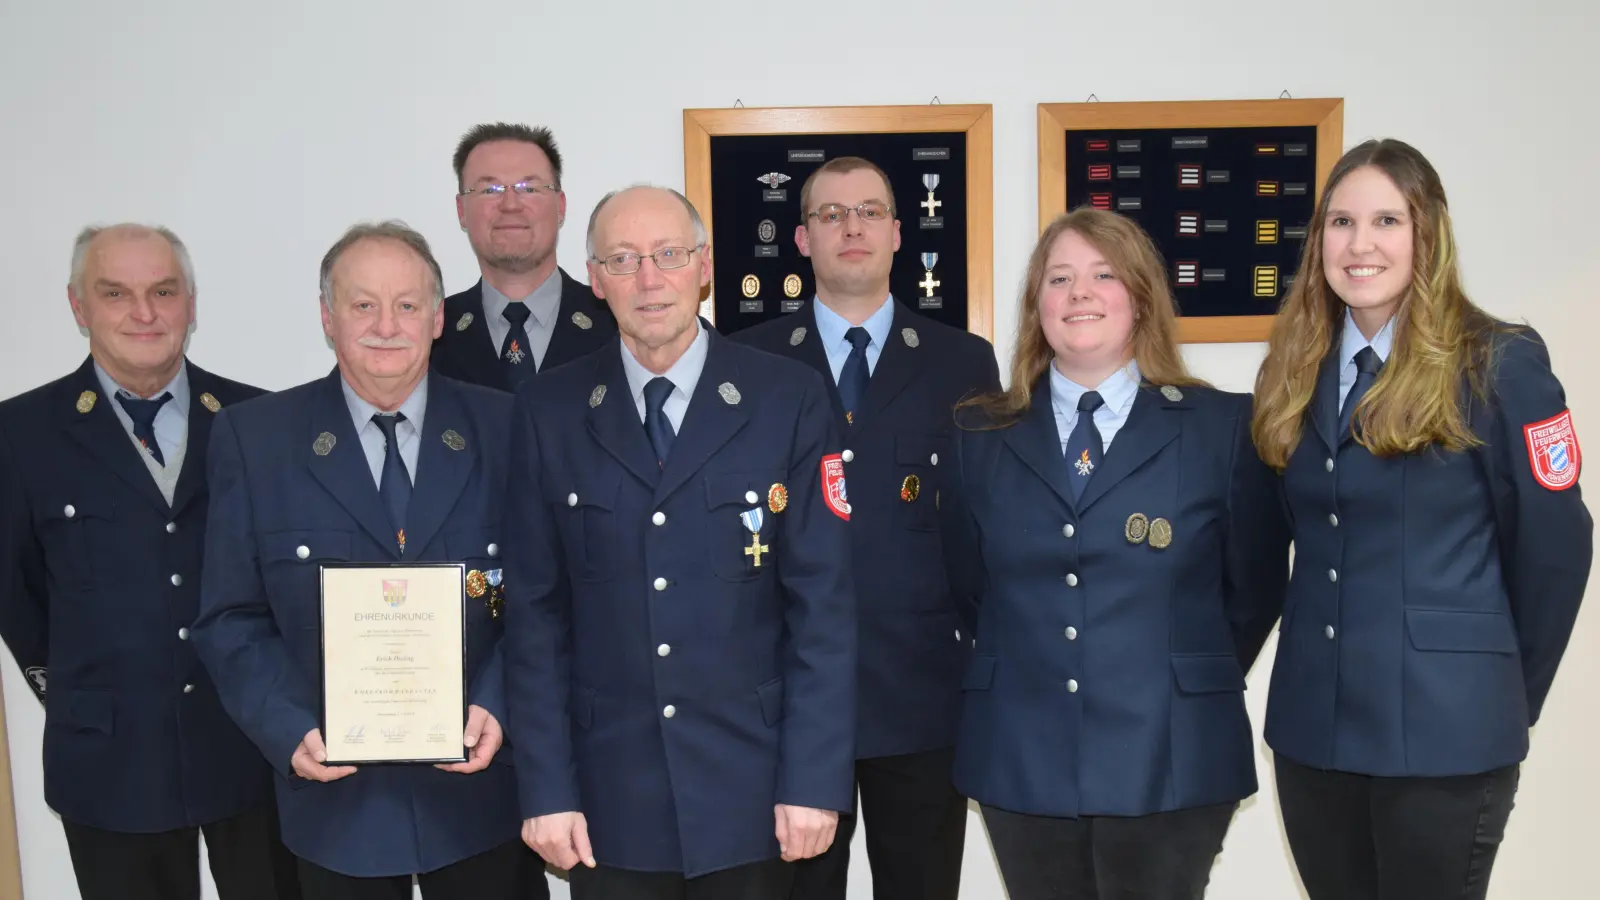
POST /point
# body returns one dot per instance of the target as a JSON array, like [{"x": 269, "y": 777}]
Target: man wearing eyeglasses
[
  {"x": 894, "y": 378},
  {"x": 525, "y": 314},
  {"x": 680, "y": 632}
]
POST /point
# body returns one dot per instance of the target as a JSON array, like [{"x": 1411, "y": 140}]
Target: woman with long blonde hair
[
  {"x": 1430, "y": 471},
  {"x": 1120, "y": 550}
]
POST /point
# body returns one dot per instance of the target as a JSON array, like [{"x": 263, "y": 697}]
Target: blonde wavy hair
[
  {"x": 1136, "y": 261},
  {"x": 1439, "y": 335}
]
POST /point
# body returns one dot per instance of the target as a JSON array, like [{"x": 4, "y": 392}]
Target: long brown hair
[
  {"x": 1439, "y": 334},
  {"x": 1136, "y": 261}
]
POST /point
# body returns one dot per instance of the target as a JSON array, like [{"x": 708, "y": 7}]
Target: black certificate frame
[{"x": 322, "y": 668}]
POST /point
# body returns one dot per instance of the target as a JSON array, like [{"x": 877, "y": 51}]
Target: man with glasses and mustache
[
  {"x": 894, "y": 378},
  {"x": 680, "y": 628},
  {"x": 526, "y": 314},
  {"x": 378, "y": 462}
]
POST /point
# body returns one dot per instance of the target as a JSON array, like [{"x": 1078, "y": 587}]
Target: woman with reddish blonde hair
[
  {"x": 1430, "y": 471},
  {"x": 1120, "y": 550}
]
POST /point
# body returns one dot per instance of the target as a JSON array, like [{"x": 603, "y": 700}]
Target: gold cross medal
[{"x": 752, "y": 520}]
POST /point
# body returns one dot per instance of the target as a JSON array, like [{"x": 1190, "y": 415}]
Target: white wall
[{"x": 260, "y": 132}]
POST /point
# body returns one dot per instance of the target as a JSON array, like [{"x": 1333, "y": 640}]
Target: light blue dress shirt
[
  {"x": 684, "y": 375},
  {"x": 544, "y": 304},
  {"x": 831, "y": 328},
  {"x": 1351, "y": 344},
  {"x": 172, "y": 419},
  {"x": 408, "y": 433},
  {"x": 1118, "y": 391}
]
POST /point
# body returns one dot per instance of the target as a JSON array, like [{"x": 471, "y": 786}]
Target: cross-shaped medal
[
  {"x": 756, "y": 548},
  {"x": 928, "y": 283},
  {"x": 931, "y": 204}
]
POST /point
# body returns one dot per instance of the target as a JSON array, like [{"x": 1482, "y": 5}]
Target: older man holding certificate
[{"x": 350, "y": 598}]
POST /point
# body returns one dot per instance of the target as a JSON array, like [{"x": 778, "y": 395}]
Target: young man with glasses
[
  {"x": 894, "y": 378},
  {"x": 680, "y": 621},
  {"x": 525, "y": 314}
]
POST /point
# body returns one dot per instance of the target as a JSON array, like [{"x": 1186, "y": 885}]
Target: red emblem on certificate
[
  {"x": 833, "y": 486},
  {"x": 1553, "y": 451}
]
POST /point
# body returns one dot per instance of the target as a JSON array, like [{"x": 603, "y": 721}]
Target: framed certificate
[{"x": 393, "y": 663}]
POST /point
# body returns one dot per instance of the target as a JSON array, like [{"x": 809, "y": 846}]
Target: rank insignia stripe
[
  {"x": 1100, "y": 200},
  {"x": 209, "y": 402},
  {"x": 1266, "y": 189},
  {"x": 1267, "y": 231},
  {"x": 1266, "y": 281},
  {"x": 1188, "y": 224},
  {"x": 1187, "y": 272},
  {"x": 1097, "y": 146},
  {"x": 1553, "y": 451},
  {"x": 1266, "y": 149},
  {"x": 1188, "y": 175},
  {"x": 1100, "y": 172}
]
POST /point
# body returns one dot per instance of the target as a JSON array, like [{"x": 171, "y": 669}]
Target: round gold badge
[
  {"x": 777, "y": 498},
  {"x": 1160, "y": 534},
  {"x": 477, "y": 583},
  {"x": 1137, "y": 528},
  {"x": 910, "y": 489},
  {"x": 751, "y": 285},
  {"x": 791, "y": 286}
]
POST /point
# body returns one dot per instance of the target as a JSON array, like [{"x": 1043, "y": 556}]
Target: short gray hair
[
  {"x": 390, "y": 230},
  {"x": 700, "y": 236},
  {"x": 80, "y": 250}
]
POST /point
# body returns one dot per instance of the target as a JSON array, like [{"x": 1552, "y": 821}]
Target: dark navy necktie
[
  {"x": 515, "y": 352},
  {"x": 1367, "y": 366},
  {"x": 143, "y": 414},
  {"x": 655, "y": 417},
  {"x": 394, "y": 486},
  {"x": 1084, "y": 447},
  {"x": 853, "y": 377}
]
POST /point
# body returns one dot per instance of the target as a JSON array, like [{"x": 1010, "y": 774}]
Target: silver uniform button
[
  {"x": 958, "y": 634},
  {"x": 177, "y": 580},
  {"x": 1333, "y": 576},
  {"x": 1329, "y": 464},
  {"x": 1072, "y": 580},
  {"x": 572, "y": 499},
  {"x": 302, "y": 551},
  {"x": 183, "y": 634},
  {"x": 670, "y": 711},
  {"x": 750, "y": 497},
  {"x": 1072, "y": 685},
  {"x": 172, "y": 528},
  {"x": 70, "y": 510},
  {"x": 933, "y": 460},
  {"x": 494, "y": 549},
  {"x": 661, "y": 584},
  {"x": 1333, "y": 520},
  {"x": 188, "y": 689},
  {"x": 847, "y": 456},
  {"x": 1067, "y": 530},
  {"x": 660, "y": 518},
  {"x": 1328, "y": 631},
  {"x": 1072, "y": 633},
  {"x": 663, "y": 650}
]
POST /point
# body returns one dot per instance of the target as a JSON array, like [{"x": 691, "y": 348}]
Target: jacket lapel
[
  {"x": 343, "y": 471},
  {"x": 445, "y": 460},
  {"x": 193, "y": 477},
  {"x": 614, "y": 422},
  {"x": 898, "y": 365},
  {"x": 1037, "y": 442},
  {"x": 1152, "y": 424},
  {"x": 712, "y": 420},
  {"x": 569, "y": 340},
  {"x": 101, "y": 433},
  {"x": 1325, "y": 402},
  {"x": 811, "y": 352},
  {"x": 475, "y": 351}
]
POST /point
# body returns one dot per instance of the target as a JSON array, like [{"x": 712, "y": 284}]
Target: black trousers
[
  {"x": 916, "y": 827},
  {"x": 1359, "y": 836},
  {"x": 766, "y": 880},
  {"x": 497, "y": 874},
  {"x": 247, "y": 859},
  {"x": 1162, "y": 856}
]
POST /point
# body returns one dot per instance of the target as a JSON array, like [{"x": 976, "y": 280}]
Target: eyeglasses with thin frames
[
  {"x": 835, "y": 213},
  {"x": 666, "y": 258},
  {"x": 521, "y": 188}
]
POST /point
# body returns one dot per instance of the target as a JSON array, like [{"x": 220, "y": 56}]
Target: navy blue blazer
[
  {"x": 466, "y": 352},
  {"x": 102, "y": 587},
  {"x": 273, "y": 496},
  {"x": 660, "y": 682},
  {"x": 1108, "y": 675},
  {"x": 912, "y": 648},
  {"x": 1433, "y": 593}
]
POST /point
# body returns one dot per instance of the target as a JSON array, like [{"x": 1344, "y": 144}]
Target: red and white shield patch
[
  {"x": 1553, "y": 451},
  {"x": 833, "y": 486}
]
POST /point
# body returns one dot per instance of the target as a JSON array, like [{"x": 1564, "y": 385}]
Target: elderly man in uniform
[
  {"x": 894, "y": 378},
  {"x": 680, "y": 617},
  {"x": 378, "y": 462},
  {"x": 102, "y": 526},
  {"x": 525, "y": 314}
]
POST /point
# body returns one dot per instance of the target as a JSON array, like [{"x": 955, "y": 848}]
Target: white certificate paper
[{"x": 393, "y": 674}]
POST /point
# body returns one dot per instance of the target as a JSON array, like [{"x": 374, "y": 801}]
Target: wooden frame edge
[
  {"x": 1326, "y": 114},
  {"x": 976, "y": 120}
]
